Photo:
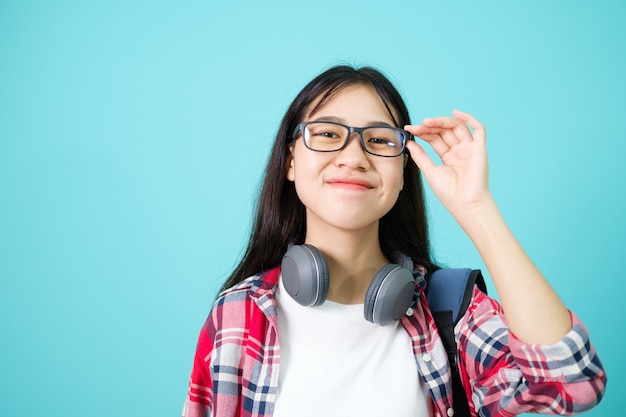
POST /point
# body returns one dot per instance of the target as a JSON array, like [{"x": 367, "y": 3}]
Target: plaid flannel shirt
[{"x": 237, "y": 361}]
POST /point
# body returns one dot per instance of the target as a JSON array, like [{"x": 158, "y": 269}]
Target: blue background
[{"x": 133, "y": 136}]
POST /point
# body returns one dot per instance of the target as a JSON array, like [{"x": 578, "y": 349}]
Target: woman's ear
[{"x": 291, "y": 176}]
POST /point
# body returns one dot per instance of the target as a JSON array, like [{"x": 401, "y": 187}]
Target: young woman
[{"x": 342, "y": 206}]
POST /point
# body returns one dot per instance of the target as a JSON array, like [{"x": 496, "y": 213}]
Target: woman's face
[{"x": 348, "y": 189}]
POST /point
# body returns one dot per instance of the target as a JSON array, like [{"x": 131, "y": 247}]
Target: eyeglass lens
[{"x": 328, "y": 137}]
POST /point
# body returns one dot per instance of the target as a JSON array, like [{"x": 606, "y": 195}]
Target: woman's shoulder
[
  {"x": 248, "y": 302},
  {"x": 483, "y": 309},
  {"x": 256, "y": 292},
  {"x": 244, "y": 286},
  {"x": 252, "y": 286}
]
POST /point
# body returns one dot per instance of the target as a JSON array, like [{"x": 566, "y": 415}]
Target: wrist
[{"x": 482, "y": 211}]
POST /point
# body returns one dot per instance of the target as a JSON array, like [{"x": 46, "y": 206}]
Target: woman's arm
[
  {"x": 504, "y": 376},
  {"x": 533, "y": 311}
]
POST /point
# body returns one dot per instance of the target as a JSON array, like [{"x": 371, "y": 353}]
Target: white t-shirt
[{"x": 333, "y": 362}]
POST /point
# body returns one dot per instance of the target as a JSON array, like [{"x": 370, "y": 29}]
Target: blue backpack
[{"x": 449, "y": 293}]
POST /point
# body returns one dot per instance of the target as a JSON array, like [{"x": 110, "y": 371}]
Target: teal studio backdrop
[{"x": 133, "y": 135}]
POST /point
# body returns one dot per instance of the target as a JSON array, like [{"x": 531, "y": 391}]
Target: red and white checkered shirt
[{"x": 237, "y": 361}]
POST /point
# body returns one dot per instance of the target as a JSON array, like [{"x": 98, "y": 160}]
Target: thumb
[{"x": 419, "y": 156}]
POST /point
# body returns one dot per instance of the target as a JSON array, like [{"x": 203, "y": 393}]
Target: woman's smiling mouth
[{"x": 350, "y": 183}]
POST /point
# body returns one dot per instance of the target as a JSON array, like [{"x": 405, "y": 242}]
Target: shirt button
[
  {"x": 426, "y": 357},
  {"x": 409, "y": 312},
  {"x": 450, "y": 412}
]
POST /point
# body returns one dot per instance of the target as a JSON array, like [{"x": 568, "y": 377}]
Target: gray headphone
[{"x": 388, "y": 297}]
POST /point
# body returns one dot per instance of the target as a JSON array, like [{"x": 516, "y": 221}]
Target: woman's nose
[{"x": 353, "y": 155}]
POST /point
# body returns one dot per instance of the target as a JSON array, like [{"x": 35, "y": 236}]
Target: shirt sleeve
[
  {"x": 506, "y": 377},
  {"x": 221, "y": 369},
  {"x": 200, "y": 393}
]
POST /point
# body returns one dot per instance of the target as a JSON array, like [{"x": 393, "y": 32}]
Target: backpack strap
[{"x": 449, "y": 293}]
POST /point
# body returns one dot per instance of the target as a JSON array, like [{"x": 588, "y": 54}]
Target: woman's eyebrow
[
  {"x": 329, "y": 119},
  {"x": 343, "y": 121}
]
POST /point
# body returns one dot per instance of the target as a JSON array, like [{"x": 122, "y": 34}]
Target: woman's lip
[{"x": 350, "y": 182}]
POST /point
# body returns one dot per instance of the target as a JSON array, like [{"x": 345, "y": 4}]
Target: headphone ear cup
[
  {"x": 305, "y": 275},
  {"x": 389, "y": 295}
]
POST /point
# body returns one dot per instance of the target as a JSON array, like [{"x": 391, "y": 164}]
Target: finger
[
  {"x": 423, "y": 132},
  {"x": 432, "y": 136},
  {"x": 480, "y": 133},
  {"x": 420, "y": 157},
  {"x": 442, "y": 122},
  {"x": 451, "y": 129},
  {"x": 436, "y": 142}
]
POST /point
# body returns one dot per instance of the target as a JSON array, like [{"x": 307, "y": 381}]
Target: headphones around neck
[{"x": 388, "y": 297}]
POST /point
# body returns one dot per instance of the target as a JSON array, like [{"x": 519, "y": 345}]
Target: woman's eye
[
  {"x": 327, "y": 134},
  {"x": 381, "y": 141}
]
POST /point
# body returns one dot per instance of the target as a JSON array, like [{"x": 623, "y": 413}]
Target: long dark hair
[{"x": 280, "y": 216}]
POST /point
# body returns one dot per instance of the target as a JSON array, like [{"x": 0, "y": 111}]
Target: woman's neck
[{"x": 353, "y": 257}]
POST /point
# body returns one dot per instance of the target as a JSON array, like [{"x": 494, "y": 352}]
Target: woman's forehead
[{"x": 353, "y": 98}]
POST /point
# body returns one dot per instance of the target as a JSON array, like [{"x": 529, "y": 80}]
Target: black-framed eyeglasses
[{"x": 384, "y": 141}]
